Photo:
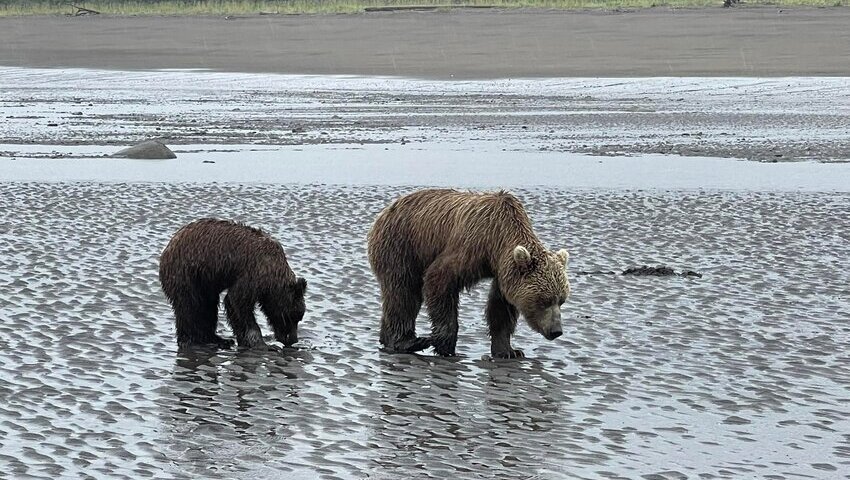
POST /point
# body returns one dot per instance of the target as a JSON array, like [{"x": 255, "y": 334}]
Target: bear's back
[
  {"x": 216, "y": 252},
  {"x": 432, "y": 221}
]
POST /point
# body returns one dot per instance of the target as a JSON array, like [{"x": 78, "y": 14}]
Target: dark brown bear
[
  {"x": 435, "y": 243},
  {"x": 209, "y": 256}
]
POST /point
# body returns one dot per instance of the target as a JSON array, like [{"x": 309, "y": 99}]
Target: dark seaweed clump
[{"x": 646, "y": 271}]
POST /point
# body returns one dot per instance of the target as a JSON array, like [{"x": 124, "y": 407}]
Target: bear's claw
[
  {"x": 411, "y": 345},
  {"x": 260, "y": 346},
  {"x": 421, "y": 343},
  {"x": 214, "y": 343},
  {"x": 513, "y": 353},
  {"x": 224, "y": 343}
]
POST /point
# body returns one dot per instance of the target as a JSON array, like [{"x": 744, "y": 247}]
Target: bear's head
[
  {"x": 284, "y": 309},
  {"x": 538, "y": 286}
]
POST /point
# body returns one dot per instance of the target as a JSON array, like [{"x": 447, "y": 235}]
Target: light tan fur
[{"x": 431, "y": 244}]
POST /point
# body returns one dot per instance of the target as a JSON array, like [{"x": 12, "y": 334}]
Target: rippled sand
[{"x": 741, "y": 373}]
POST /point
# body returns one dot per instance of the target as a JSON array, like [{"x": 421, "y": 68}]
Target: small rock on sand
[
  {"x": 659, "y": 271},
  {"x": 147, "y": 150}
]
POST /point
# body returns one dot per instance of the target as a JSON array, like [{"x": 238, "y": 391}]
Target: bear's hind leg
[
  {"x": 401, "y": 303},
  {"x": 501, "y": 319},
  {"x": 188, "y": 331},
  {"x": 196, "y": 321}
]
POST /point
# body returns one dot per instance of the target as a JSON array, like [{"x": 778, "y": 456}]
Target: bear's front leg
[
  {"x": 501, "y": 319},
  {"x": 442, "y": 294},
  {"x": 239, "y": 306}
]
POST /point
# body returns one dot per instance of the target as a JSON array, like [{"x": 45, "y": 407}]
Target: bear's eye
[{"x": 544, "y": 304}]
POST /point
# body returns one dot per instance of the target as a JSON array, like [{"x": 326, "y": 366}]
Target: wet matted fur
[
  {"x": 208, "y": 256},
  {"x": 431, "y": 244}
]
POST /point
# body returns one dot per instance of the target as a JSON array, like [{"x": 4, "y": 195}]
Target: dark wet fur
[{"x": 209, "y": 256}]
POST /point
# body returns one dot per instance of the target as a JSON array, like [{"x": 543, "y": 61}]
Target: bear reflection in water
[{"x": 432, "y": 244}]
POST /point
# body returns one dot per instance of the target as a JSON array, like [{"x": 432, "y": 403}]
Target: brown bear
[
  {"x": 209, "y": 256},
  {"x": 435, "y": 243}
]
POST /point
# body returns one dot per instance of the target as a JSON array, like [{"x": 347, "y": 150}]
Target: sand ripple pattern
[{"x": 742, "y": 373}]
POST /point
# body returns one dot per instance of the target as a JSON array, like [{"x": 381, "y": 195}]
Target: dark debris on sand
[{"x": 645, "y": 271}]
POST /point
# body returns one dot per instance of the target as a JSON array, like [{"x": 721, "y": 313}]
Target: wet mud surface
[
  {"x": 767, "y": 120},
  {"x": 458, "y": 44},
  {"x": 742, "y": 373}
]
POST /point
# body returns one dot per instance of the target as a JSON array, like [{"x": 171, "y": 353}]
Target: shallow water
[
  {"x": 741, "y": 373},
  {"x": 764, "y": 119},
  {"x": 474, "y": 164}
]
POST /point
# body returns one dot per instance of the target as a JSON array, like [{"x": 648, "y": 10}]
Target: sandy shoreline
[{"x": 457, "y": 44}]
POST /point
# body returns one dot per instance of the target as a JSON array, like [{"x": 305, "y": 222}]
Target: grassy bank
[{"x": 252, "y": 7}]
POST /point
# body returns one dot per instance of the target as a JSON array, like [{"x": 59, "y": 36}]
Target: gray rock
[{"x": 147, "y": 150}]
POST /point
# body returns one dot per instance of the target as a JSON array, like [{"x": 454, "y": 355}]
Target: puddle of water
[{"x": 477, "y": 165}]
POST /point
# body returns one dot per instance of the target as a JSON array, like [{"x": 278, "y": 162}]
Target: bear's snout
[
  {"x": 288, "y": 339},
  {"x": 552, "y": 323},
  {"x": 553, "y": 334}
]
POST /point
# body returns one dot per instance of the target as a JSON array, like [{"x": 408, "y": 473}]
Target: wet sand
[
  {"x": 762, "y": 119},
  {"x": 740, "y": 373},
  {"x": 459, "y": 44}
]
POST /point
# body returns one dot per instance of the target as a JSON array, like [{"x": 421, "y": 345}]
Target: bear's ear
[
  {"x": 563, "y": 256},
  {"x": 300, "y": 284},
  {"x": 521, "y": 257}
]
